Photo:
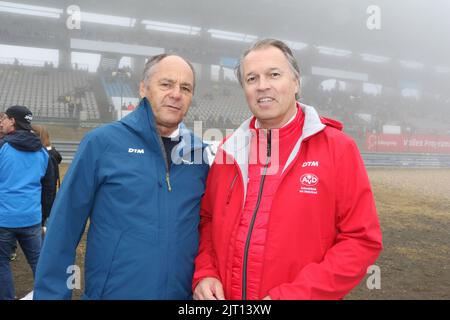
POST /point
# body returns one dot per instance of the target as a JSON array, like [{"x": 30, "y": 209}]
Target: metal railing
[
  {"x": 67, "y": 149},
  {"x": 406, "y": 160},
  {"x": 411, "y": 160}
]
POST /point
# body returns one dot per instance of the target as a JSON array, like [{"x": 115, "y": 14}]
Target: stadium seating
[
  {"x": 218, "y": 104},
  {"x": 116, "y": 87},
  {"x": 41, "y": 90}
]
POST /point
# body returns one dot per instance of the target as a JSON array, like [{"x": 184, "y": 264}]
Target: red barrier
[{"x": 407, "y": 143}]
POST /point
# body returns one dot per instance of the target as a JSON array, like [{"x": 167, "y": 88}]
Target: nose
[
  {"x": 263, "y": 84},
  {"x": 175, "y": 93}
]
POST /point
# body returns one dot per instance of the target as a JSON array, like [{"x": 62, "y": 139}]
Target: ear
[
  {"x": 297, "y": 88},
  {"x": 142, "y": 89}
]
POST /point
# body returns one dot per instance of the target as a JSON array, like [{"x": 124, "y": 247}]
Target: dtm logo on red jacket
[
  {"x": 310, "y": 164},
  {"x": 308, "y": 183}
]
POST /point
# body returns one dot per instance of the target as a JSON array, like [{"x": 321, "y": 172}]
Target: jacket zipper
[
  {"x": 166, "y": 162},
  {"x": 249, "y": 235},
  {"x": 168, "y": 182}
]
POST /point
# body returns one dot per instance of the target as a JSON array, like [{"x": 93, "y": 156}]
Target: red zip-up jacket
[
  {"x": 323, "y": 231},
  {"x": 250, "y": 241}
]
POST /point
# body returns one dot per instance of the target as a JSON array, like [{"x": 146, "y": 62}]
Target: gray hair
[
  {"x": 265, "y": 43},
  {"x": 154, "y": 60}
]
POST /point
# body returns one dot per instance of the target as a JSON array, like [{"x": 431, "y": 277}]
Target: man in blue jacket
[
  {"x": 139, "y": 182},
  {"x": 25, "y": 174}
]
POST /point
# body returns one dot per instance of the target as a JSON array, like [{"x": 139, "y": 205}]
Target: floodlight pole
[
  {"x": 121, "y": 93},
  {"x": 120, "y": 74}
]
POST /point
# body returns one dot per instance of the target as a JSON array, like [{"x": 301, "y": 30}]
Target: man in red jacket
[{"x": 288, "y": 211}]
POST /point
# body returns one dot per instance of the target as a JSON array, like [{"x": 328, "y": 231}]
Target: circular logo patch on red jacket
[{"x": 309, "y": 180}]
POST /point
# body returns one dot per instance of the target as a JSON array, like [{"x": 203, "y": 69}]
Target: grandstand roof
[{"x": 410, "y": 29}]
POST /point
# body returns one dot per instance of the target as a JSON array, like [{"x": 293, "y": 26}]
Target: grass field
[{"x": 414, "y": 210}]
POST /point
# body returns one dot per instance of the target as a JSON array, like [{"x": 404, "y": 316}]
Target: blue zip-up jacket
[
  {"x": 25, "y": 180},
  {"x": 142, "y": 238}
]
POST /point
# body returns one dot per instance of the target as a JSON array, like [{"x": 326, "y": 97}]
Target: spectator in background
[
  {"x": 56, "y": 159},
  {"x": 71, "y": 107},
  {"x": 130, "y": 106},
  {"x": 25, "y": 173},
  {"x": 78, "y": 108},
  {"x": 13, "y": 255}
]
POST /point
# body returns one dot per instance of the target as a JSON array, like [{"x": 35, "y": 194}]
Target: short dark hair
[
  {"x": 154, "y": 60},
  {"x": 265, "y": 43}
]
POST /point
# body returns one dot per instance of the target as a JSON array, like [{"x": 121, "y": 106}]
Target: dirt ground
[{"x": 414, "y": 210}]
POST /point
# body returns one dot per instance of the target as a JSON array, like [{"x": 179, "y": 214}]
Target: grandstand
[
  {"x": 220, "y": 107},
  {"x": 43, "y": 91},
  {"x": 381, "y": 67},
  {"x": 347, "y": 71},
  {"x": 117, "y": 87}
]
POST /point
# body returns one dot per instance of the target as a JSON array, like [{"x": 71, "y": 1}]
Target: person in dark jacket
[
  {"x": 56, "y": 159},
  {"x": 25, "y": 173},
  {"x": 139, "y": 181}
]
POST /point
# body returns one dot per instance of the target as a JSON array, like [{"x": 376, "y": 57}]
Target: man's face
[
  {"x": 270, "y": 86},
  {"x": 169, "y": 91},
  {"x": 6, "y": 124}
]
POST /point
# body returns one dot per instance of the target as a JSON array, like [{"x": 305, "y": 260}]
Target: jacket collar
[
  {"x": 142, "y": 121},
  {"x": 311, "y": 126},
  {"x": 23, "y": 140},
  {"x": 238, "y": 144}
]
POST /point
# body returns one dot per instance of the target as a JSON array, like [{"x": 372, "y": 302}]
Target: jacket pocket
[
  {"x": 101, "y": 249},
  {"x": 135, "y": 268},
  {"x": 230, "y": 189}
]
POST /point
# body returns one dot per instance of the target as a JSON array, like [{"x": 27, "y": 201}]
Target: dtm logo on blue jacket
[{"x": 131, "y": 150}]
